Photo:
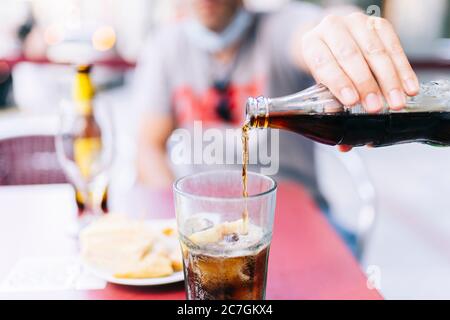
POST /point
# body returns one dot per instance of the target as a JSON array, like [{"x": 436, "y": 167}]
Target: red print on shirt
[{"x": 190, "y": 106}]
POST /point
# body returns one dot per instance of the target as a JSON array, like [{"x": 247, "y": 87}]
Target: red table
[{"x": 307, "y": 258}]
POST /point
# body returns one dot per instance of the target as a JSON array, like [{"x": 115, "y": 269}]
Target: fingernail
[
  {"x": 349, "y": 95},
  {"x": 373, "y": 102},
  {"x": 396, "y": 99},
  {"x": 411, "y": 86}
]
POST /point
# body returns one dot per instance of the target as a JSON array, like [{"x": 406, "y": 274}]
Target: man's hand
[{"x": 360, "y": 59}]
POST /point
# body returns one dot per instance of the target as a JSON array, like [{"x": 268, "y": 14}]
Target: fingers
[
  {"x": 326, "y": 70},
  {"x": 344, "y": 148},
  {"x": 350, "y": 58},
  {"x": 347, "y": 148},
  {"x": 394, "y": 48},
  {"x": 377, "y": 58},
  {"x": 360, "y": 59}
]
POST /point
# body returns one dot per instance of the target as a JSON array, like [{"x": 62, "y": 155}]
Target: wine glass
[{"x": 85, "y": 148}]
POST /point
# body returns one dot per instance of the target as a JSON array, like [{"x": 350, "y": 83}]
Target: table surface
[{"x": 307, "y": 258}]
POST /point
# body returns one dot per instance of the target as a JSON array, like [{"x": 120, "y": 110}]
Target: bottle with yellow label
[{"x": 87, "y": 141}]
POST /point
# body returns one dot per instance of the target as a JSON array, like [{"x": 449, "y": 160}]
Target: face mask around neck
[{"x": 214, "y": 42}]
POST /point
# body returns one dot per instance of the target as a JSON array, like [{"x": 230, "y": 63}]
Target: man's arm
[
  {"x": 152, "y": 101},
  {"x": 359, "y": 58},
  {"x": 152, "y": 162}
]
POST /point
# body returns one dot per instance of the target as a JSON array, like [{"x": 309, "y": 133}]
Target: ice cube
[
  {"x": 232, "y": 237},
  {"x": 197, "y": 224}
]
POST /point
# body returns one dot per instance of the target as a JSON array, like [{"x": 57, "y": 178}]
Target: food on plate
[{"x": 132, "y": 249}]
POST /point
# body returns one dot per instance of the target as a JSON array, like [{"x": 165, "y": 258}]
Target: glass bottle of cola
[{"x": 315, "y": 113}]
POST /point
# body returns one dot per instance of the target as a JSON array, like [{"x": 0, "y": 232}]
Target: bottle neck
[
  {"x": 257, "y": 112},
  {"x": 316, "y": 99},
  {"x": 83, "y": 91}
]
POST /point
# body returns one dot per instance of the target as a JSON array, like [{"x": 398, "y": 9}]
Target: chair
[{"x": 29, "y": 160}]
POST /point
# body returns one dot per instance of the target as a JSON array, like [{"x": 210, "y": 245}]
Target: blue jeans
[{"x": 348, "y": 236}]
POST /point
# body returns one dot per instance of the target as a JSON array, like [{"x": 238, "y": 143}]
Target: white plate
[
  {"x": 174, "y": 277},
  {"x": 108, "y": 276}
]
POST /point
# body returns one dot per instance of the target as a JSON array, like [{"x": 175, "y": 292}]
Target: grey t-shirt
[{"x": 175, "y": 76}]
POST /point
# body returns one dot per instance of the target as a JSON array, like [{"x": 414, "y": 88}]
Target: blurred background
[{"x": 411, "y": 235}]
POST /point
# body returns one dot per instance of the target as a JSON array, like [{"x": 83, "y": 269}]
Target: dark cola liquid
[
  {"x": 360, "y": 129},
  {"x": 215, "y": 277}
]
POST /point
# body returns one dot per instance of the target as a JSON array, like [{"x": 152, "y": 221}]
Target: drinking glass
[
  {"x": 90, "y": 183},
  {"x": 222, "y": 257}
]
